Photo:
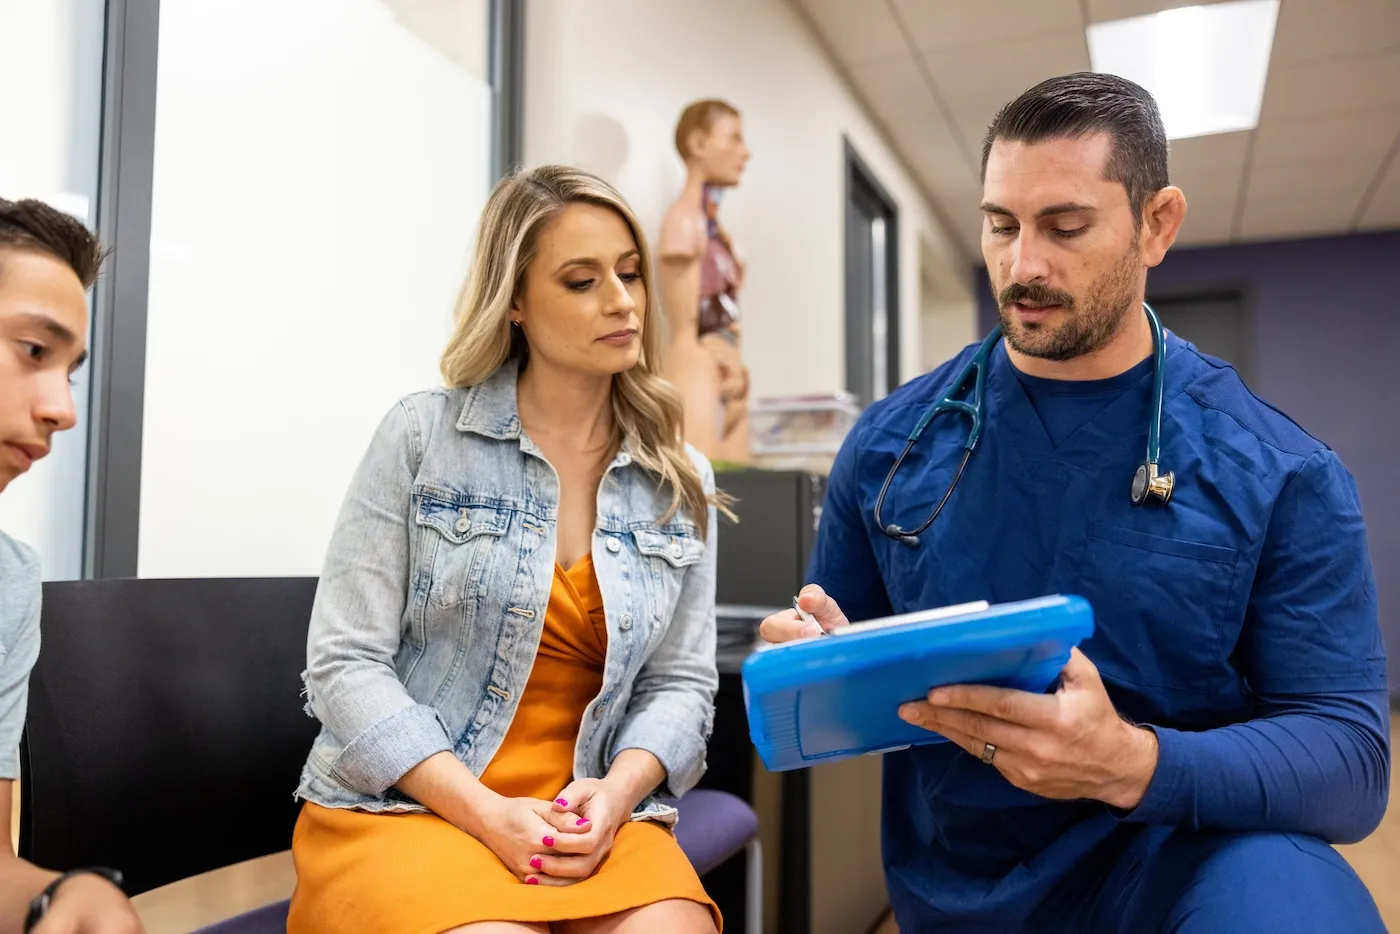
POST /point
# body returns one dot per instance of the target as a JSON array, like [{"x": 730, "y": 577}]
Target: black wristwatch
[{"x": 40, "y": 905}]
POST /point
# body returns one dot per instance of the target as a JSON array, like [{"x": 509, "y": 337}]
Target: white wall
[
  {"x": 50, "y": 94},
  {"x": 606, "y": 81},
  {"x": 319, "y": 169},
  {"x": 948, "y": 312}
]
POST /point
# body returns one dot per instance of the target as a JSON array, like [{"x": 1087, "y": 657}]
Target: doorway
[
  {"x": 1217, "y": 322},
  {"x": 872, "y": 284}
]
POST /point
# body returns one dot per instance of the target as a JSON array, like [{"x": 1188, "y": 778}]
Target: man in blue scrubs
[{"x": 1229, "y": 717}]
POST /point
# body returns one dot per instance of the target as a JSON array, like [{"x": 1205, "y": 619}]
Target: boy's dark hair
[
  {"x": 1085, "y": 103},
  {"x": 34, "y": 225}
]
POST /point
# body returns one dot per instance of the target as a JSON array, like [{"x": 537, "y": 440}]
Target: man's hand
[
  {"x": 88, "y": 904},
  {"x": 786, "y": 625},
  {"x": 1070, "y": 744}
]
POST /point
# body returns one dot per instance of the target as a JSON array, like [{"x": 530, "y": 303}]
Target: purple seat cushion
[
  {"x": 713, "y": 826},
  {"x": 269, "y": 919}
]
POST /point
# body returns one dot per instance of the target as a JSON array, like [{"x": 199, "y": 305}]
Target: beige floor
[{"x": 191, "y": 903}]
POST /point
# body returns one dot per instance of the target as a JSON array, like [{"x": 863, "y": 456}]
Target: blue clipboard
[{"x": 834, "y": 696}]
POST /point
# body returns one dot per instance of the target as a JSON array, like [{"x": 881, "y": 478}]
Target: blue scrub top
[{"x": 1250, "y": 597}]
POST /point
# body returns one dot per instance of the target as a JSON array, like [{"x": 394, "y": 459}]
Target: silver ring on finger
[{"x": 988, "y": 753}]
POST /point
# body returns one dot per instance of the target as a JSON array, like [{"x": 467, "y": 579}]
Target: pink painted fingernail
[
  {"x": 582, "y": 821},
  {"x": 536, "y": 862},
  {"x": 532, "y": 881},
  {"x": 549, "y": 841},
  {"x": 561, "y": 802}
]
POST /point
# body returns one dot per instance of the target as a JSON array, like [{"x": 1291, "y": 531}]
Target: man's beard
[{"x": 1089, "y": 324}]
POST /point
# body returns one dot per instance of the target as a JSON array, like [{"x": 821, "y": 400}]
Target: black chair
[
  {"x": 166, "y": 734},
  {"x": 165, "y": 731}
]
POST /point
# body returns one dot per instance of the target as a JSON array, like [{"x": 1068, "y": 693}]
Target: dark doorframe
[
  {"x": 116, "y": 412},
  {"x": 872, "y": 283}
]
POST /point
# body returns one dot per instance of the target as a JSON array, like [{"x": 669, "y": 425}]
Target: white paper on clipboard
[{"x": 922, "y": 616}]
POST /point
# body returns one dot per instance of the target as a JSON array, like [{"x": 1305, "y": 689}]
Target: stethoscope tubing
[{"x": 973, "y": 410}]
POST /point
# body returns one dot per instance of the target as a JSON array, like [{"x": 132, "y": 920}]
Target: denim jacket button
[
  {"x": 614, "y": 545},
  {"x": 626, "y": 622},
  {"x": 598, "y": 712},
  {"x": 464, "y": 525},
  {"x": 676, "y": 550}
]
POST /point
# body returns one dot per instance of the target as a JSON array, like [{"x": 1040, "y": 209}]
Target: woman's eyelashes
[{"x": 583, "y": 285}]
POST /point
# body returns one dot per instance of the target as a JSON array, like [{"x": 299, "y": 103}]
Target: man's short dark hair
[
  {"x": 1085, "y": 103},
  {"x": 34, "y": 225}
]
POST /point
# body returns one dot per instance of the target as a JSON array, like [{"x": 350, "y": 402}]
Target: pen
[{"x": 806, "y": 617}]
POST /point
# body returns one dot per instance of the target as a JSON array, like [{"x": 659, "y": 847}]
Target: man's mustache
[{"x": 1035, "y": 295}]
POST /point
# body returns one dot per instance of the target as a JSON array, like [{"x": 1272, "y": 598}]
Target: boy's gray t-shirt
[{"x": 20, "y": 596}]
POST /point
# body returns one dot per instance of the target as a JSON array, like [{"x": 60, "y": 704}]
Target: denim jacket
[{"x": 430, "y": 606}]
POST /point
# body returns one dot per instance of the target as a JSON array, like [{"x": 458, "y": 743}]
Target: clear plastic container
[{"x": 801, "y": 432}]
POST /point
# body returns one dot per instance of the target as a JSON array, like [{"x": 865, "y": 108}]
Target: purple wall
[{"x": 1326, "y": 332}]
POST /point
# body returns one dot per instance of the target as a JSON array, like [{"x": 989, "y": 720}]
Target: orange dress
[{"x": 418, "y": 874}]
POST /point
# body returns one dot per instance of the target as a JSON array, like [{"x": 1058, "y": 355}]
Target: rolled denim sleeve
[
  {"x": 671, "y": 713},
  {"x": 20, "y": 598},
  {"x": 356, "y": 621}
]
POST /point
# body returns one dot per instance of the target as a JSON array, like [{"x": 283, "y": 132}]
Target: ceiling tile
[
  {"x": 1383, "y": 211},
  {"x": 1212, "y": 196},
  {"x": 959, "y": 193},
  {"x": 894, "y": 87},
  {"x": 1313, "y": 29},
  {"x": 858, "y": 32},
  {"x": 1303, "y": 180},
  {"x": 935, "y": 25},
  {"x": 958, "y": 204},
  {"x": 970, "y": 235},
  {"x": 1101, "y": 11},
  {"x": 1211, "y": 224},
  {"x": 1302, "y": 199},
  {"x": 1202, "y": 161},
  {"x": 931, "y": 145},
  {"x": 1329, "y": 143},
  {"x": 979, "y": 82},
  {"x": 1332, "y": 86},
  {"x": 972, "y": 128},
  {"x": 950, "y": 181}
]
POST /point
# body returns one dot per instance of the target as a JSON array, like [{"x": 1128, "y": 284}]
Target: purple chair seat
[
  {"x": 269, "y": 919},
  {"x": 713, "y": 826}
]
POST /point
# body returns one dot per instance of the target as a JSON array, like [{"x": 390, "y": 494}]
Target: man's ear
[{"x": 1162, "y": 218}]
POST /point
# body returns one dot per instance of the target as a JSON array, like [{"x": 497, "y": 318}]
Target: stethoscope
[{"x": 1149, "y": 483}]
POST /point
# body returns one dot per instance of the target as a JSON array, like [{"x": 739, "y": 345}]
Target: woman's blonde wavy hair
[{"x": 646, "y": 408}]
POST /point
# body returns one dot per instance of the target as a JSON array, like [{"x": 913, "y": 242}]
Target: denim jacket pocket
[
  {"x": 460, "y": 551},
  {"x": 666, "y": 556}
]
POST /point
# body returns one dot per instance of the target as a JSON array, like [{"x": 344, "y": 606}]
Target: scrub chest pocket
[{"x": 1162, "y": 607}]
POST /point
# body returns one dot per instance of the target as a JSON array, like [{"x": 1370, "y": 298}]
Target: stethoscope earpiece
[{"x": 895, "y": 532}]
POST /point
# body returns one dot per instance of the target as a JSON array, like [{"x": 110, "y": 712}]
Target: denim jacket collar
[{"x": 491, "y": 409}]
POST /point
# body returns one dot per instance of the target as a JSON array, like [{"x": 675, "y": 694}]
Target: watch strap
[{"x": 39, "y": 906}]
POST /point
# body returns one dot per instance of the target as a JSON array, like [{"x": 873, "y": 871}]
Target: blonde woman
[{"x": 512, "y": 647}]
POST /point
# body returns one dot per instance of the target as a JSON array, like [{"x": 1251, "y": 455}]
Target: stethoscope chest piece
[{"x": 1150, "y": 486}]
